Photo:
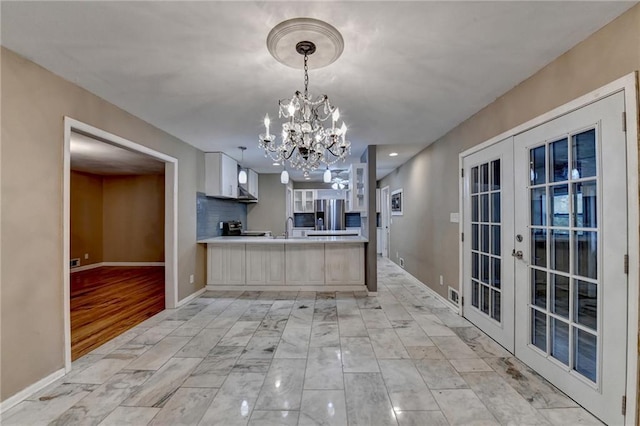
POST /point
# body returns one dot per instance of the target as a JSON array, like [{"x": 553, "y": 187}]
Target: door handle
[{"x": 517, "y": 254}]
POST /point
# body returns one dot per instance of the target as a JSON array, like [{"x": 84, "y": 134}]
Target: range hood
[{"x": 244, "y": 195}]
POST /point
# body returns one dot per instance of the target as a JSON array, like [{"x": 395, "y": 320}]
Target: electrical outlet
[
  {"x": 191, "y": 279},
  {"x": 441, "y": 280},
  {"x": 86, "y": 255}
]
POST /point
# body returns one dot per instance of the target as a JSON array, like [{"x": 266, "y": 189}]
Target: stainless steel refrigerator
[{"x": 330, "y": 215}]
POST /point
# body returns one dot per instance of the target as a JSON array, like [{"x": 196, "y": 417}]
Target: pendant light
[
  {"x": 284, "y": 177},
  {"x": 242, "y": 176},
  {"x": 327, "y": 175}
]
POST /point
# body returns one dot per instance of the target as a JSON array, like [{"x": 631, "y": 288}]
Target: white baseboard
[
  {"x": 190, "y": 297},
  {"x": 30, "y": 390},
  {"x": 98, "y": 265},
  {"x": 287, "y": 287}
]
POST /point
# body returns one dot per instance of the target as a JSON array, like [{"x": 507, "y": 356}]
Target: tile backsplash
[{"x": 211, "y": 211}]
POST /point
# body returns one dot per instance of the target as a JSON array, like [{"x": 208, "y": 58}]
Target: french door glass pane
[
  {"x": 586, "y": 254},
  {"x": 584, "y": 162},
  {"x": 495, "y": 207},
  {"x": 539, "y": 329},
  {"x": 559, "y": 205},
  {"x": 539, "y": 288},
  {"x": 560, "y": 340},
  {"x": 485, "y": 299},
  {"x": 560, "y": 250},
  {"x": 474, "y": 266},
  {"x": 474, "y": 236},
  {"x": 585, "y": 353},
  {"x": 559, "y": 161},
  {"x": 585, "y": 200},
  {"x": 475, "y": 289},
  {"x": 538, "y": 169},
  {"x": 474, "y": 180},
  {"x": 495, "y": 272},
  {"x": 484, "y": 177},
  {"x": 539, "y": 206},
  {"x": 560, "y": 295},
  {"x": 484, "y": 269},
  {"x": 539, "y": 247},
  {"x": 495, "y": 240},
  {"x": 495, "y": 305},
  {"x": 484, "y": 208},
  {"x": 485, "y": 243},
  {"x": 586, "y": 304},
  {"x": 495, "y": 175},
  {"x": 474, "y": 208}
]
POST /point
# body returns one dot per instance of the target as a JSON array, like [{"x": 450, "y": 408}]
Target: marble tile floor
[{"x": 303, "y": 358}]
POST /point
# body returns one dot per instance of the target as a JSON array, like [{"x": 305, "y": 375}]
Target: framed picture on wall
[{"x": 396, "y": 202}]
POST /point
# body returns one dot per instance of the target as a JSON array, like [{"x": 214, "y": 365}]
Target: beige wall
[
  {"x": 134, "y": 218},
  {"x": 424, "y": 236},
  {"x": 117, "y": 218},
  {"x": 34, "y": 102},
  {"x": 269, "y": 213},
  {"x": 86, "y": 217}
]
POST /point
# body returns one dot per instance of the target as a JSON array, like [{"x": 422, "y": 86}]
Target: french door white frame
[
  {"x": 170, "y": 221},
  {"x": 627, "y": 84}
]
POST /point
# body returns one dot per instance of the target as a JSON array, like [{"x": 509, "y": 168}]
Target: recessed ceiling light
[
  {"x": 393, "y": 154},
  {"x": 276, "y": 164},
  {"x": 307, "y": 178}
]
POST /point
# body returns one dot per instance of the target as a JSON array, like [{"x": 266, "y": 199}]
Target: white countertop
[{"x": 290, "y": 240}]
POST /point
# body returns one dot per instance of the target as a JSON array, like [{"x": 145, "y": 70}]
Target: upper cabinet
[
  {"x": 303, "y": 200},
  {"x": 252, "y": 183},
  {"x": 356, "y": 195},
  {"x": 221, "y": 175}
]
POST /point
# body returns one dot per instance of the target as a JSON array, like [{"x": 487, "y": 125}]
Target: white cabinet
[
  {"x": 303, "y": 200},
  {"x": 221, "y": 175},
  {"x": 226, "y": 264},
  {"x": 344, "y": 264},
  {"x": 252, "y": 183},
  {"x": 305, "y": 264},
  {"x": 265, "y": 264},
  {"x": 356, "y": 195}
]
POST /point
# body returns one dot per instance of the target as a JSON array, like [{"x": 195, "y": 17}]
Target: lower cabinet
[
  {"x": 305, "y": 264},
  {"x": 265, "y": 264},
  {"x": 285, "y": 264},
  {"x": 344, "y": 264},
  {"x": 226, "y": 264}
]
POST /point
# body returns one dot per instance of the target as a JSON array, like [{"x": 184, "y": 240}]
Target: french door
[
  {"x": 545, "y": 239},
  {"x": 488, "y": 232},
  {"x": 571, "y": 212}
]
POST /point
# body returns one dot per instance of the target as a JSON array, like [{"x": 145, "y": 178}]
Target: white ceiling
[{"x": 410, "y": 71}]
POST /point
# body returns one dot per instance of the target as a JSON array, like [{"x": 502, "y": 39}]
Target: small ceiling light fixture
[
  {"x": 276, "y": 163},
  {"x": 306, "y": 143},
  {"x": 242, "y": 176},
  {"x": 393, "y": 154},
  {"x": 326, "y": 177}
]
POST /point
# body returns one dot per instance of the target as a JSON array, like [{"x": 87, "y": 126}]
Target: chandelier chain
[{"x": 306, "y": 75}]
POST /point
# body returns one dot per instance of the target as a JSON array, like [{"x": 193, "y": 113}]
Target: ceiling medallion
[{"x": 306, "y": 143}]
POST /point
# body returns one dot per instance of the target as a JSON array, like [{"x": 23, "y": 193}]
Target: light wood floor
[{"x": 109, "y": 300}]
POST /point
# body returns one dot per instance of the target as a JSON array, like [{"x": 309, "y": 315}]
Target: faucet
[{"x": 286, "y": 227}]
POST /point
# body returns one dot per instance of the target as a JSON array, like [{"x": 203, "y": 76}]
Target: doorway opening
[{"x": 120, "y": 245}]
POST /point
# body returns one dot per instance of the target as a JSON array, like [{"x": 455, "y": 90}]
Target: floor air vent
[
  {"x": 74, "y": 263},
  {"x": 454, "y": 296},
  {"x": 401, "y": 262}
]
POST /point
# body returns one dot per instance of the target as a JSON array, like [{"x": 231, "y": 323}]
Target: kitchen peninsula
[{"x": 266, "y": 263}]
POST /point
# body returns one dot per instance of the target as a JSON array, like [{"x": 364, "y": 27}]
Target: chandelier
[{"x": 311, "y": 136}]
